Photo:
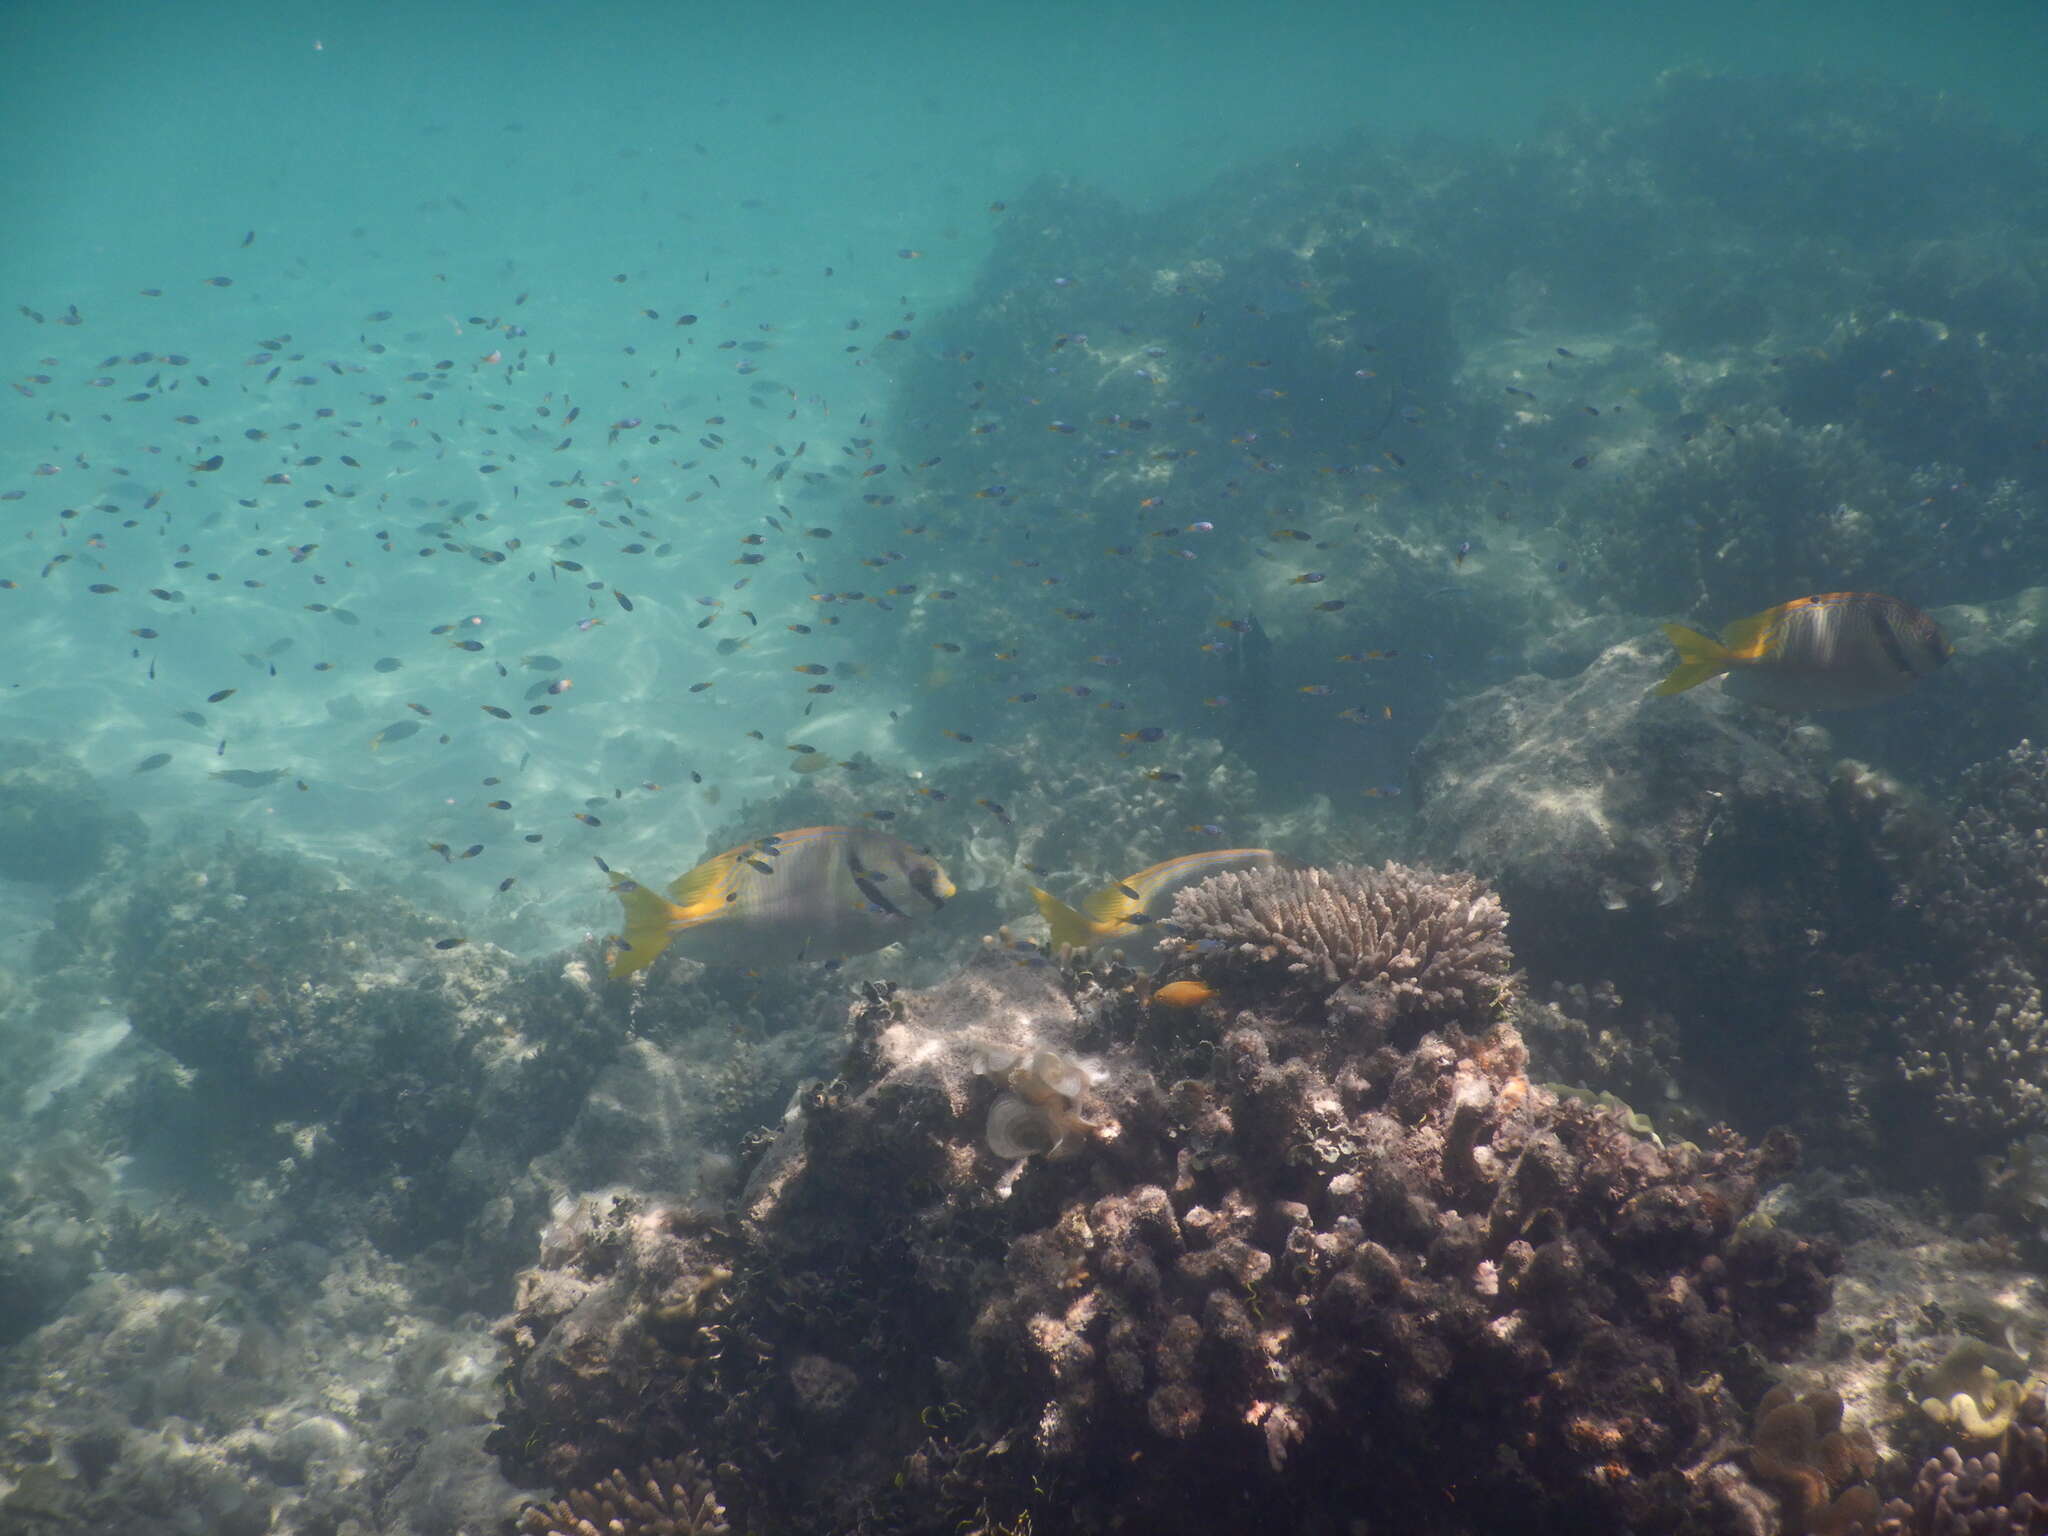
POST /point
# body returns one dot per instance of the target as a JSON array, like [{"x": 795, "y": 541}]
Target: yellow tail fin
[
  {"x": 1700, "y": 657},
  {"x": 649, "y": 927},
  {"x": 1069, "y": 928}
]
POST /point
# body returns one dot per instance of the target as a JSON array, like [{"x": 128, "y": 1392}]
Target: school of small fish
[{"x": 464, "y": 535}]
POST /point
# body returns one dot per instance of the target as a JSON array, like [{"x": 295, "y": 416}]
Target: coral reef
[
  {"x": 1969, "y": 1015},
  {"x": 1649, "y": 841},
  {"x": 1588, "y": 1035},
  {"x": 240, "y": 1285},
  {"x": 1974, "y": 1391},
  {"x": 1819, "y": 1468},
  {"x": 1999, "y": 1493},
  {"x": 402, "y": 1075},
  {"x": 1293, "y": 1259},
  {"x": 1396, "y": 943},
  {"x": 669, "y": 1498},
  {"x": 1321, "y": 1248}
]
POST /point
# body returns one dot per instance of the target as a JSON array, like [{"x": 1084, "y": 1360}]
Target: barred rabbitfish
[
  {"x": 1835, "y": 650},
  {"x": 817, "y": 893},
  {"x": 1123, "y": 909}
]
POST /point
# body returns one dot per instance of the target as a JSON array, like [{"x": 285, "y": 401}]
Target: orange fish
[{"x": 1184, "y": 994}]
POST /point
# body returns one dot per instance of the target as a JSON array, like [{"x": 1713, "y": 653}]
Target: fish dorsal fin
[{"x": 1749, "y": 639}]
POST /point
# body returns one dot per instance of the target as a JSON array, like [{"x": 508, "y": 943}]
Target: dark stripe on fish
[
  {"x": 1888, "y": 639},
  {"x": 873, "y": 893}
]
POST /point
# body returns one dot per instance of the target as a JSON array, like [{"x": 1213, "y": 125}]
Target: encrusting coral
[
  {"x": 1973, "y": 1021},
  {"x": 669, "y": 1498},
  {"x": 1337, "y": 1239},
  {"x": 1974, "y": 1391},
  {"x": 1819, "y": 1470}
]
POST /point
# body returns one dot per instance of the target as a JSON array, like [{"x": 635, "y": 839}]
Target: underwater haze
[
  {"x": 407, "y": 273},
  {"x": 466, "y": 466}
]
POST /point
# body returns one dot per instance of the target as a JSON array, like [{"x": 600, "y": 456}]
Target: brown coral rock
[{"x": 669, "y": 1498}]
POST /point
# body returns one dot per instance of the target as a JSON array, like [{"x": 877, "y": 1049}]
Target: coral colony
[{"x": 1507, "y": 1099}]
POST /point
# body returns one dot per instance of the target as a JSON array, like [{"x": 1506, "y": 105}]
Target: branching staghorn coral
[
  {"x": 669, "y": 1498},
  {"x": 1418, "y": 942}
]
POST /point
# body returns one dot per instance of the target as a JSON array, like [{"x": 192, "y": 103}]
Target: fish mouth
[{"x": 934, "y": 887}]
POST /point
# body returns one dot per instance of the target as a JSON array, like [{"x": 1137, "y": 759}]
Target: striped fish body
[
  {"x": 813, "y": 894},
  {"x": 1835, "y": 650}
]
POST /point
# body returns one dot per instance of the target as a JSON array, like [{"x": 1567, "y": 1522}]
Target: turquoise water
[
  {"x": 532, "y": 196},
  {"x": 480, "y": 449}
]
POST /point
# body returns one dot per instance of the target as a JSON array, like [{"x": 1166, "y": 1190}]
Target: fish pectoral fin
[
  {"x": 1700, "y": 657},
  {"x": 650, "y": 924}
]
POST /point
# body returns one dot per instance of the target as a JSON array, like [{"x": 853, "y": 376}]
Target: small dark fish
[
  {"x": 151, "y": 763},
  {"x": 249, "y": 778}
]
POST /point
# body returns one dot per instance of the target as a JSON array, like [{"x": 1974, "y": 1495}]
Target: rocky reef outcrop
[
  {"x": 1292, "y": 1246},
  {"x": 1969, "y": 1007}
]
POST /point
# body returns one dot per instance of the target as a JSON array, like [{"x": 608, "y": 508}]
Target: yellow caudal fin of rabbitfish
[
  {"x": 1700, "y": 657},
  {"x": 650, "y": 924},
  {"x": 1102, "y": 916},
  {"x": 1070, "y": 929}
]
